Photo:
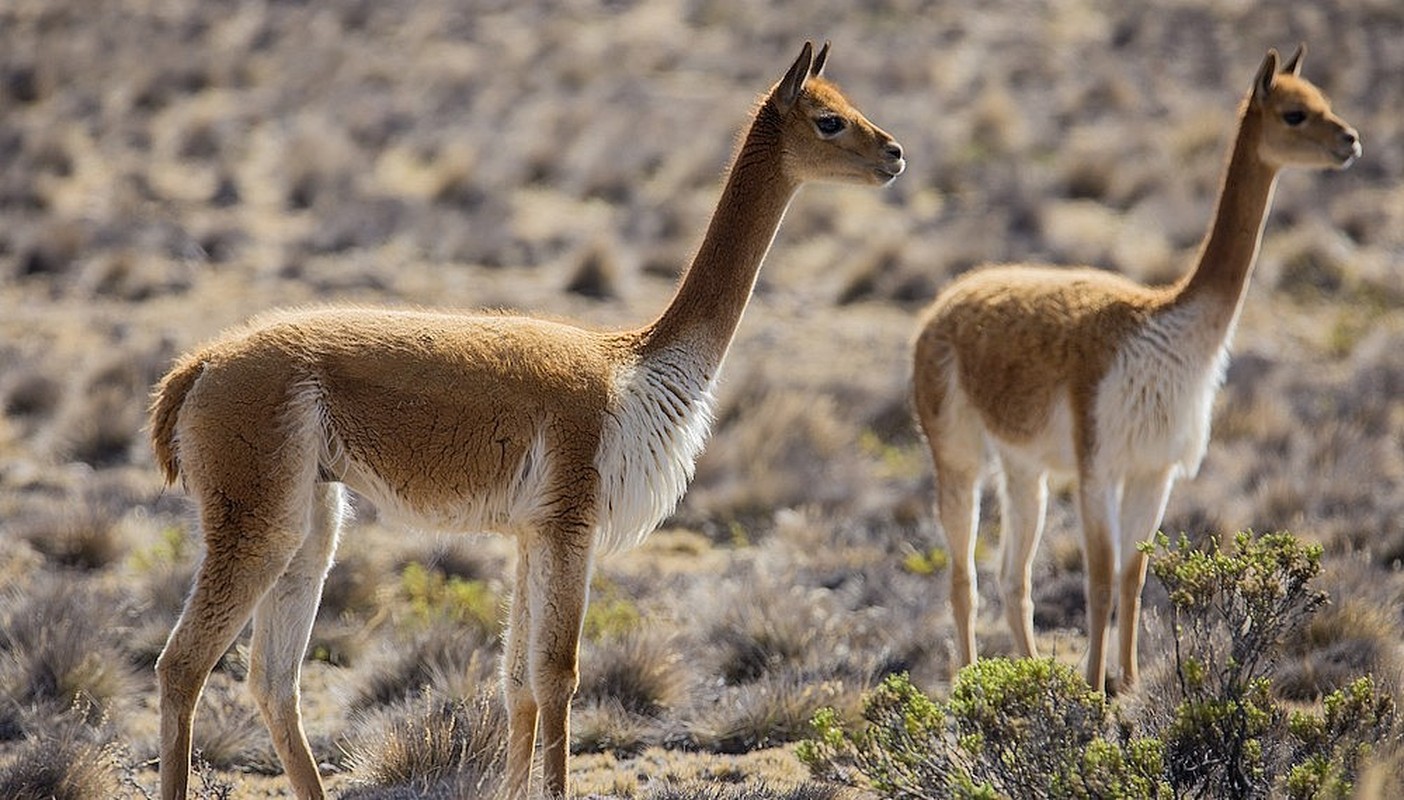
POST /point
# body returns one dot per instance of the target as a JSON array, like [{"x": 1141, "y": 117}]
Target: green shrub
[
  {"x": 1230, "y": 609},
  {"x": 1012, "y": 728}
]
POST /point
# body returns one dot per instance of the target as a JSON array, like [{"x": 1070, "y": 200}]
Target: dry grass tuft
[
  {"x": 431, "y": 748},
  {"x": 1337, "y": 645},
  {"x": 709, "y": 790},
  {"x": 448, "y": 658},
  {"x": 597, "y": 274},
  {"x": 84, "y": 535},
  {"x": 70, "y": 761},
  {"x": 61, "y": 648},
  {"x": 768, "y": 713},
  {"x": 229, "y": 733},
  {"x": 643, "y": 673}
]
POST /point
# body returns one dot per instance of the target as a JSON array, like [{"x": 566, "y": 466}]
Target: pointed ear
[
  {"x": 817, "y": 68},
  {"x": 1262, "y": 84},
  {"x": 788, "y": 90},
  {"x": 1293, "y": 65}
]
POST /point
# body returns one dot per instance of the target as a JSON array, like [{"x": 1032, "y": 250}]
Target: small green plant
[
  {"x": 929, "y": 562},
  {"x": 611, "y": 613},
  {"x": 435, "y": 596}
]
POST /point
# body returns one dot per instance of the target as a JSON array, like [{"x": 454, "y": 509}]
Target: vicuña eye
[
  {"x": 1294, "y": 118},
  {"x": 830, "y": 126}
]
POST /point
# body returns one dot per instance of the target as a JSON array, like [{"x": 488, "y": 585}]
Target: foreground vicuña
[
  {"x": 1085, "y": 372},
  {"x": 573, "y": 441}
]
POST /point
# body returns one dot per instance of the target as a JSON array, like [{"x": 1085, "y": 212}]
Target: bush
[
  {"x": 1230, "y": 611},
  {"x": 1216, "y": 729},
  {"x": 1012, "y": 728}
]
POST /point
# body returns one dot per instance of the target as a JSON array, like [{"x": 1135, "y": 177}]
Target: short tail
[{"x": 165, "y": 409}]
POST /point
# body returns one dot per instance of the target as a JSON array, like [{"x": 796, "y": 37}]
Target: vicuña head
[
  {"x": 1299, "y": 128},
  {"x": 1082, "y": 371},
  {"x": 573, "y": 441}
]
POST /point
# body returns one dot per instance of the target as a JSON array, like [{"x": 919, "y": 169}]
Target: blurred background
[{"x": 170, "y": 167}]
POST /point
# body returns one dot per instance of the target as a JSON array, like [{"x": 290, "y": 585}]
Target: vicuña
[
  {"x": 574, "y": 441},
  {"x": 1080, "y": 371}
]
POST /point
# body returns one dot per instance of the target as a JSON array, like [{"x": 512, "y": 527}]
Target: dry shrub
[
  {"x": 84, "y": 535},
  {"x": 766, "y": 713},
  {"x": 432, "y": 748},
  {"x": 68, "y": 761},
  {"x": 776, "y": 448},
  {"x": 451, "y": 659},
  {"x": 597, "y": 273},
  {"x": 642, "y": 672},
  {"x": 61, "y": 647},
  {"x": 229, "y": 733}
]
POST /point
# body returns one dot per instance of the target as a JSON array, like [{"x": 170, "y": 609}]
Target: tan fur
[
  {"x": 571, "y": 440},
  {"x": 1086, "y": 372}
]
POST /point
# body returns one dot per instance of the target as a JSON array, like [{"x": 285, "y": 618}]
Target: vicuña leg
[
  {"x": 516, "y": 681},
  {"x": 1142, "y": 507},
  {"x": 560, "y": 578},
  {"x": 1023, "y": 504},
  {"x": 1099, "y": 508},
  {"x": 958, "y": 505},
  {"x": 245, "y": 555},
  {"x": 281, "y": 628}
]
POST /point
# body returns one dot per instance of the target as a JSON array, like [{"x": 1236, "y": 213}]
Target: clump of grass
[
  {"x": 68, "y": 761},
  {"x": 444, "y": 657},
  {"x": 1335, "y": 647},
  {"x": 431, "y": 747},
  {"x": 597, "y": 274},
  {"x": 60, "y": 648},
  {"x": 766, "y": 713},
  {"x": 432, "y": 595},
  {"x": 611, "y": 613},
  {"x": 229, "y": 733},
  {"x": 711, "y": 790},
  {"x": 643, "y": 672},
  {"x": 84, "y": 535}
]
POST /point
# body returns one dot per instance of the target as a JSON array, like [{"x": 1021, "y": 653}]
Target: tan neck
[
  {"x": 704, "y": 313},
  {"x": 1231, "y": 247}
]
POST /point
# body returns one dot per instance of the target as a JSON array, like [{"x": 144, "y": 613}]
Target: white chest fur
[
  {"x": 654, "y": 430},
  {"x": 1155, "y": 403}
]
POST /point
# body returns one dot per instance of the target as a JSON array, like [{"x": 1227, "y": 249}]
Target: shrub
[
  {"x": 1230, "y": 611},
  {"x": 1012, "y": 728},
  {"x": 68, "y": 762},
  {"x": 432, "y": 747}
]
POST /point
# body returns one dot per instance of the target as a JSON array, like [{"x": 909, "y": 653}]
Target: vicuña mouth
[
  {"x": 1349, "y": 156},
  {"x": 891, "y": 169}
]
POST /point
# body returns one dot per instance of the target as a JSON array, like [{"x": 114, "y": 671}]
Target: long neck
[
  {"x": 1231, "y": 247},
  {"x": 707, "y": 307}
]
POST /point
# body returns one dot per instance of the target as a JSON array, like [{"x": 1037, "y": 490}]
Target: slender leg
[
  {"x": 1142, "y": 508},
  {"x": 1023, "y": 500},
  {"x": 244, "y": 556},
  {"x": 516, "y": 681},
  {"x": 560, "y": 579},
  {"x": 958, "y": 506},
  {"x": 281, "y": 629},
  {"x": 1099, "y": 506}
]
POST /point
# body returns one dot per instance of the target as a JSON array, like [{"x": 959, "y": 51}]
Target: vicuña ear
[
  {"x": 1262, "y": 85},
  {"x": 817, "y": 68},
  {"x": 788, "y": 90},
  {"x": 1293, "y": 65}
]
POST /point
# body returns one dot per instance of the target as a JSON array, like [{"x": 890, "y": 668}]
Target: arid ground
[{"x": 170, "y": 167}]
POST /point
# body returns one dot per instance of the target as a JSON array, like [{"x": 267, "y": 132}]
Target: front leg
[
  {"x": 1099, "y": 507},
  {"x": 516, "y": 681},
  {"x": 559, "y": 577},
  {"x": 1142, "y": 508}
]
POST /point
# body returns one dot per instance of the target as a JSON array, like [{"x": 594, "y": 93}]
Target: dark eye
[
  {"x": 830, "y": 126},
  {"x": 1294, "y": 118}
]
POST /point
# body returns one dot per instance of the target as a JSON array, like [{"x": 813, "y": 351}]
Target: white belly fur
[{"x": 654, "y": 430}]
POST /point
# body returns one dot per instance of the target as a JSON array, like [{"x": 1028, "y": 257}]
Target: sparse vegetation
[
  {"x": 1216, "y": 729},
  {"x": 216, "y": 165}
]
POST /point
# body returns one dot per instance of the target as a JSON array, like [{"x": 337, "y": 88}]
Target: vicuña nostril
[{"x": 893, "y": 150}]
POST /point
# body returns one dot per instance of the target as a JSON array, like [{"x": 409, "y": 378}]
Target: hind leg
[
  {"x": 958, "y": 505},
  {"x": 245, "y": 554},
  {"x": 1024, "y": 501},
  {"x": 282, "y": 627}
]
